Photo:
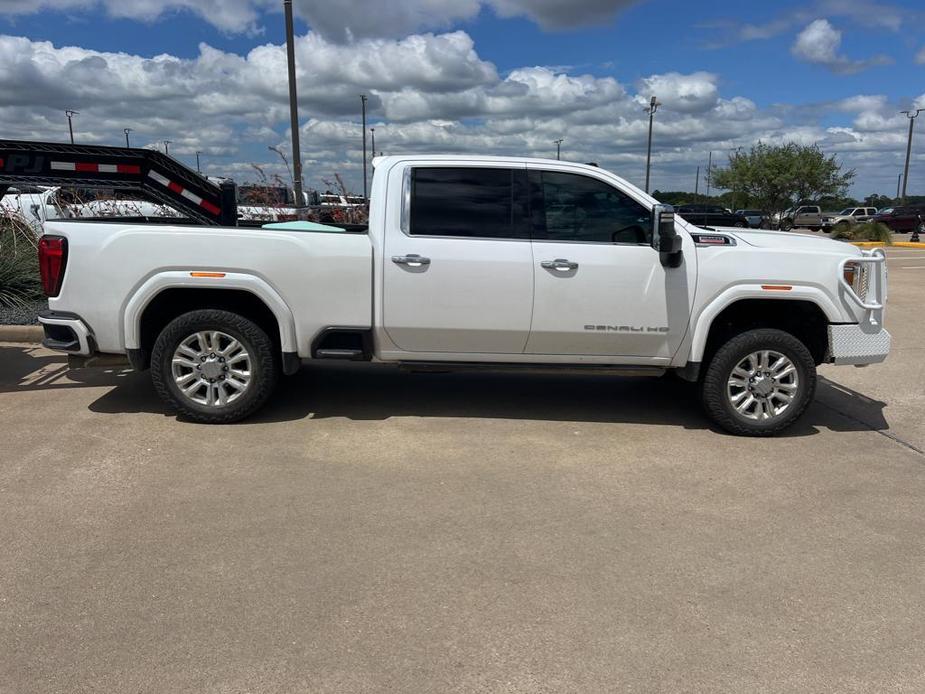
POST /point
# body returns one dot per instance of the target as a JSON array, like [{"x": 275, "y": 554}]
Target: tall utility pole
[
  {"x": 372, "y": 132},
  {"x": 709, "y": 172},
  {"x": 167, "y": 147},
  {"x": 293, "y": 108},
  {"x": 899, "y": 180},
  {"x": 363, "y": 107},
  {"x": 127, "y": 131},
  {"x": 559, "y": 147},
  {"x": 653, "y": 107},
  {"x": 70, "y": 126},
  {"x": 198, "y": 168},
  {"x": 697, "y": 182},
  {"x": 911, "y": 115}
]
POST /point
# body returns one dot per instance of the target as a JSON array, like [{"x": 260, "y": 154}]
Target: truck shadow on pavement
[{"x": 375, "y": 392}]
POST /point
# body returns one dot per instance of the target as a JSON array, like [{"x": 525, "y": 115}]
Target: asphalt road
[{"x": 375, "y": 531}]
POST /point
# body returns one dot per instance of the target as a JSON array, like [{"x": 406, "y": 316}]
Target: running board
[
  {"x": 505, "y": 367},
  {"x": 349, "y": 354}
]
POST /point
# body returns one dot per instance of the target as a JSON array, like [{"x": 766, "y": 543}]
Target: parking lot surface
[{"x": 382, "y": 531}]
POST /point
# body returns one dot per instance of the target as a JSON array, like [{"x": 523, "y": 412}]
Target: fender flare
[
  {"x": 173, "y": 279},
  {"x": 704, "y": 321}
]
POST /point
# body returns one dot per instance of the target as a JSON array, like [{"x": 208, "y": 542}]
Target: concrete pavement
[{"x": 378, "y": 531}]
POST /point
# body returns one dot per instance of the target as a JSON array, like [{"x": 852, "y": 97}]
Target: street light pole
[
  {"x": 372, "y": 132},
  {"x": 167, "y": 147},
  {"x": 697, "y": 182},
  {"x": 709, "y": 176},
  {"x": 126, "y": 131},
  {"x": 559, "y": 147},
  {"x": 899, "y": 180},
  {"x": 198, "y": 168},
  {"x": 653, "y": 107},
  {"x": 911, "y": 115},
  {"x": 70, "y": 126},
  {"x": 363, "y": 106},
  {"x": 293, "y": 108}
]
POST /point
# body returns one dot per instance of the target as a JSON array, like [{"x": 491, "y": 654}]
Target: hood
[{"x": 789, "y": 240}]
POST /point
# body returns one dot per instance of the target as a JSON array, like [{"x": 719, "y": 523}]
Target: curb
[
  {"x": 21, "y": 333},
  {"x": 895, "y": 244}
]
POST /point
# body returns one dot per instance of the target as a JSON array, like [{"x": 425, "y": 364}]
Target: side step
[
  {"x": 520, "y": 367},
  {"x": 349, "y": 354}
]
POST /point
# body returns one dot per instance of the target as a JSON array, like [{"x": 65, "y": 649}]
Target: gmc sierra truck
[{"x": 471, "y": 262}]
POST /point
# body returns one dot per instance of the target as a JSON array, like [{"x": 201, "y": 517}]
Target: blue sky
[{"x": 505, "y": 76}]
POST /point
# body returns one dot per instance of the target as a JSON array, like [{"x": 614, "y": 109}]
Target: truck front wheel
[
  {"x": 759, "y": 383},
  {"x": 214, "y": 367}
]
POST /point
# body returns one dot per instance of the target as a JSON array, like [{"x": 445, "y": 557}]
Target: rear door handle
[
  {"x": 411, "y": 260},
  {"x": 560, "y": 264}
]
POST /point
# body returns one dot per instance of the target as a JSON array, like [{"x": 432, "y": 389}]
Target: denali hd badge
[{"x": 626, "y": 329}]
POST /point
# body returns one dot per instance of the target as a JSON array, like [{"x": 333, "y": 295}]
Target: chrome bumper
[{"x": 858, "y": 344}]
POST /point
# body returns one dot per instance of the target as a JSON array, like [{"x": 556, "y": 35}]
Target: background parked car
[
  {"x": 849, "y": 215},
  {"x": 808, "y": 216},
  {"x": 756, "y": 218},
  {"x": 711, "y": 215},
  {"x": 902, "y": 219}
]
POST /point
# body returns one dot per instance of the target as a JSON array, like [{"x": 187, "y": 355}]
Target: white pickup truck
[{"x": 471, "y": 262}]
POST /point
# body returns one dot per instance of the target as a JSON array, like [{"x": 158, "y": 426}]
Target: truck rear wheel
[
  {"x": 214, "y": 367},
  {"x": 759, "y": 383}
]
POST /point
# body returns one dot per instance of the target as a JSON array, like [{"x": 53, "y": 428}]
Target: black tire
[
  {"x": 264, "y": 366},
  {"x": 786, "y": 225},
  {"x": 713, "y": 387},
  {"x": 740, "y": 225}
]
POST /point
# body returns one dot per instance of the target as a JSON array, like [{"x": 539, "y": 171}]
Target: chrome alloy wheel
[
  {"x": 763, "y": 385},
  {"x": 211, "y": 368}
]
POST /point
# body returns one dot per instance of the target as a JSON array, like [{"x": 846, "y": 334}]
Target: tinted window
[
  {"x": 469, "y": 202},
  {"x": 579, "y": 208}
]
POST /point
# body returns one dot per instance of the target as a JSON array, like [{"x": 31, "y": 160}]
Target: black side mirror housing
[{"x": 665, "y": 238}]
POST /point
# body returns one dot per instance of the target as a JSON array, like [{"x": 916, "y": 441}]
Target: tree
[{"x": 775, "y": 177}]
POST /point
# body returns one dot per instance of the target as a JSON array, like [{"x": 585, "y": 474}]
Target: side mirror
[{"x": 665, "y": 238}]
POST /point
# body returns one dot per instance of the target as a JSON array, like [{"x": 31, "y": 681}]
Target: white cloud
[
  {"x": 428, "y": 93},
  {"x": 693, "y": 93},
  {"x": 343, "y": 20},
  {"x": 820, "y": 43},
  {"x": 920, "y": 56}
]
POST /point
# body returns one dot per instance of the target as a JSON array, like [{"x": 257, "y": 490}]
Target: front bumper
[
  {"x": 66, "y": 332},
  {"x": 858, "y": 344}
]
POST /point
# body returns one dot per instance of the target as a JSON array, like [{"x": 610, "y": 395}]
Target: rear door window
[{"x": 469, "y": 202}]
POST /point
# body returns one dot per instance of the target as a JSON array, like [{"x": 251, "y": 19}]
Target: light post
[
  {"x": 198, "y": 168},
  {"x": 372, "y": 133},
  {"x": 126, "y": 131},
  {"x": 911, "y": 115},
  {"x": 899, "y": 180},
  {"x": 167, "y": 147},
  {"x": 559, "y": 147},
  {"x": 363, "y": 100},
  {"x": 709, "y": 175},
  {"x": 293, "y": 108},
  {"x": 697, "y": 182},
  {"x": 70, "y": 126},
  {"x": 653, "y": 107}
]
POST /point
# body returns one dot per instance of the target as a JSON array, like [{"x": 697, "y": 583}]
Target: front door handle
[
  {"x": 411, "y": 260},
  {"x": 560, "y": 264}
]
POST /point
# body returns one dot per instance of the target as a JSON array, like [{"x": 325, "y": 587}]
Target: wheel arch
[
  {"x": 805, "y": 314},
  {"x": 165, "y": 296}
]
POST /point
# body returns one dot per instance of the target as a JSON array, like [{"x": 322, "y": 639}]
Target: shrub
[
  {"x": 869, "y": 231},
  {"x": 19, "y": 267}
]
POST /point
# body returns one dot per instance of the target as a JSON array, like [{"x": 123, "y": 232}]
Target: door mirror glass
[{"x": 666, "y": 239}]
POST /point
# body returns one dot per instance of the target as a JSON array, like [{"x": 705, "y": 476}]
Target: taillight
[{"x": 52, "y": 260}]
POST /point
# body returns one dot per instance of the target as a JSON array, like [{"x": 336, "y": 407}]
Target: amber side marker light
[
  {"x": 215, "y": 275},
  {"x": 776, "y": 287}
]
